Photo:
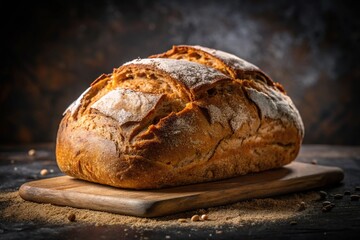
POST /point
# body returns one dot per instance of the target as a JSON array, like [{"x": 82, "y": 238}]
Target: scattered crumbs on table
[{"x": 250, "y": 212}]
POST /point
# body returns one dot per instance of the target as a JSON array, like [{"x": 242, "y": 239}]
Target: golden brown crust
[{"x": 161, "y": 122}]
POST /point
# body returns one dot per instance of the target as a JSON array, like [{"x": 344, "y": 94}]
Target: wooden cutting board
[{"x": 68, "y": 191}]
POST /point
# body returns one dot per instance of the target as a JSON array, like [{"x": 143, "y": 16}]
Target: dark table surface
[{"x": 17, "y": 167}]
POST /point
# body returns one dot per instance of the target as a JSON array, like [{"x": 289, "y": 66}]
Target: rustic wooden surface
[
  {"x": 16, "y": 168},
  {"x": 67, "y": 191}
]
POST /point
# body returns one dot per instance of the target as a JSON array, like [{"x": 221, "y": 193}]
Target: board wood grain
[{"x": 68, "y": 191}]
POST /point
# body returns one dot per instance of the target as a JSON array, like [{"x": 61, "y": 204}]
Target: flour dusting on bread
[
  {"x": 275, "y": 105},
  {"x": 229, "y": 59},
  {"x": 189, "y": 73},
  {"x": 75, "y": 105},
  {"x": 126, "y": 105}
]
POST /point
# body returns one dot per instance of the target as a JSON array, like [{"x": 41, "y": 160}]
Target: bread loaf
[{"x": 189, "y": 115}]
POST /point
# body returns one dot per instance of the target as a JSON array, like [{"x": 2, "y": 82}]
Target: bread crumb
[
  {"x": 327, "y": 207},
  {"x": 32, "y": 152},
  {"x": 323, "y": 194},
  {"x": 195, "y": 218},
  {"x": 338, "y": 196},
  {"x": 314, "y": 161},
  {"x": 354, "y": 197},
  {"x": 72, "y": 217},
  {"x": 44, "y": 172},
  {"x": 302, "y": 206}
]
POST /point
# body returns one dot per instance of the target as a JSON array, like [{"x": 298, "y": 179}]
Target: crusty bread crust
[{"x": 189, "y": 115}]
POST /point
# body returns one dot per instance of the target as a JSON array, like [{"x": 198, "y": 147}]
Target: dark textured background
[{"x": 52, "y": 51}]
